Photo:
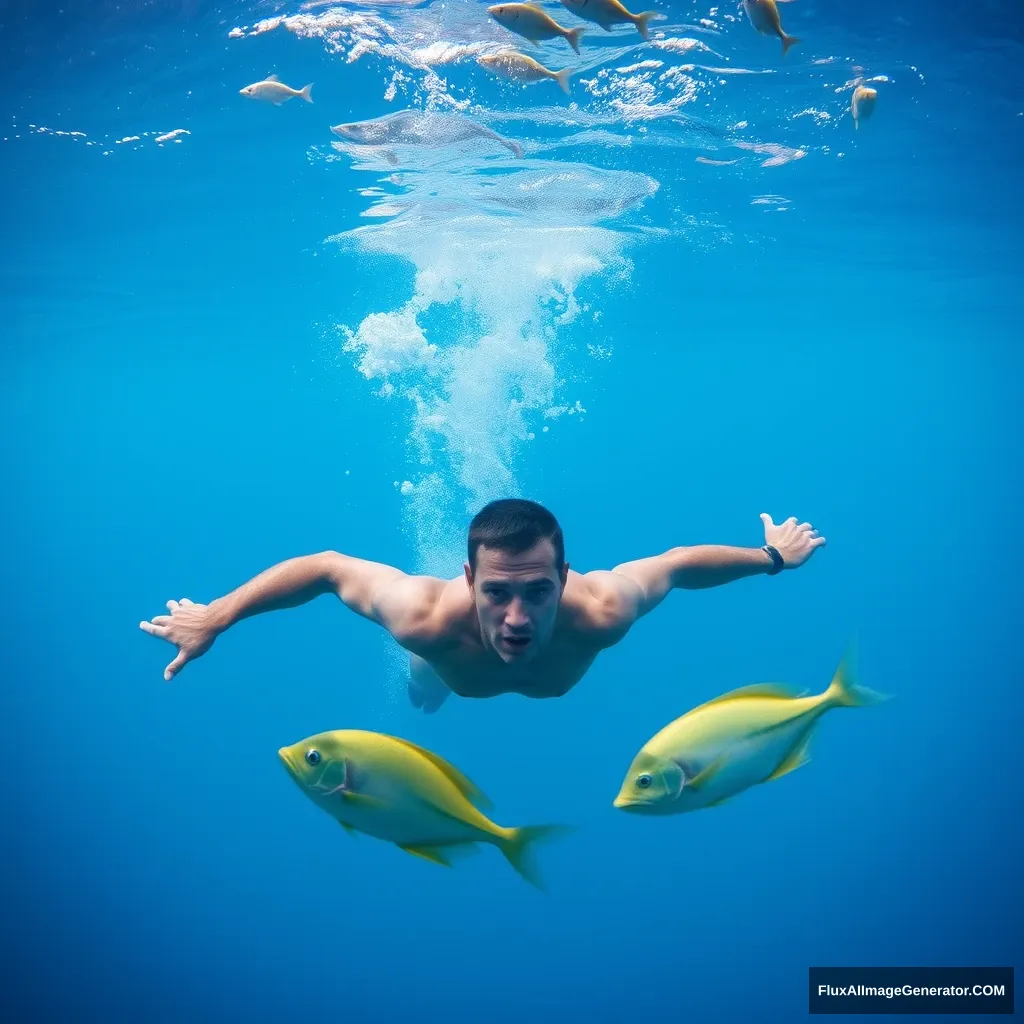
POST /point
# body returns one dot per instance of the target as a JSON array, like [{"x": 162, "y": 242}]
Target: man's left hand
[{"x": 795, "y": 542}]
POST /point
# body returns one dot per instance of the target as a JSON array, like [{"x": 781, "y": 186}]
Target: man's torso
[{"x": 471, "y": 669}]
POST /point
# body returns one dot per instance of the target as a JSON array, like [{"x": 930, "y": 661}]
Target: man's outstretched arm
[
  {"x": 402, "y": 604},
  {"x": 632, "y": 589}
]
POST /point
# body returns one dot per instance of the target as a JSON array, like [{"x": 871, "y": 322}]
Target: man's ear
[
  {"x": 469, "y": 574},
  {"x": 565, "y": 572}
]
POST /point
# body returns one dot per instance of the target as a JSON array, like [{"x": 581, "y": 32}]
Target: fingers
[
  {"x": 767, "y": 520},
  {"x": 152, "y": 628},
  {"x": 818, "y": 542},
  {"x": 175, "y": 666},
  {"x": 171, "y": 605},
  {"x": 791, "y": 521},
  {"x": 185, "y": 600}
]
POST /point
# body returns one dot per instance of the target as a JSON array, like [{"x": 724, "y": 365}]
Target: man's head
[{"x": 516, "y": 573}]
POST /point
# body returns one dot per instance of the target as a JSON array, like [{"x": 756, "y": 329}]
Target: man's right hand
[{"x": 190, "y": 627}]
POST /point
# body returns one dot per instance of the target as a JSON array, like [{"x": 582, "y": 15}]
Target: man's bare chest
[{"x": 480, "y": 673}]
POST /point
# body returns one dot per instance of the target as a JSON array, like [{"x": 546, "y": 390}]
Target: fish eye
[
  {"x": 644, "y": 781},
  {"x": 312, "y": 756}
]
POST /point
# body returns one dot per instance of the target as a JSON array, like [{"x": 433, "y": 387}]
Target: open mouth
[{"x": 516, "y": 643}]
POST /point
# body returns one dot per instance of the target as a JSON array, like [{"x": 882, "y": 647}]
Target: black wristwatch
[{"x": 777, "y": 563}]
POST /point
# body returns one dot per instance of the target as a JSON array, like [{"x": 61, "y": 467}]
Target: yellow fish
[
  {"x": 394, "y": 790},
  {"x": 764, "y": 16},
  {"x": 862, "y": 105},
  {"x": 745, "y": 737}
]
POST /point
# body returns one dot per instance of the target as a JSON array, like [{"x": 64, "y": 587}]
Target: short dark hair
[{"x": 514, "y": 525}]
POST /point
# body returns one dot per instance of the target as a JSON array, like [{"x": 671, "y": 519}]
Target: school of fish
[{"x": 531, "y": 22}]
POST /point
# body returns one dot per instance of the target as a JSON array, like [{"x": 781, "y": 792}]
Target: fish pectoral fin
[
  {"x": 799, "y": 754},
  {"x": 347, "y": 827},
  {"x": 430, "y": 853},
  {"x": 362, "y": 799},
  {"x": 445, "y": 856},
  {"x": 706, "y": 774}
]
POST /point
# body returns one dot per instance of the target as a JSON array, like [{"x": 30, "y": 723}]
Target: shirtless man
[{"x": 518, "y": 620}]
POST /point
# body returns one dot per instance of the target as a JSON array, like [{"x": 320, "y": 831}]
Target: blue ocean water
[{"x": 699, "y": 295}]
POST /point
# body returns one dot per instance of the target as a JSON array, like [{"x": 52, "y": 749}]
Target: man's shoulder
[
  {"x": 434, "y": 611},
  {"x": 602, "y": 604}
]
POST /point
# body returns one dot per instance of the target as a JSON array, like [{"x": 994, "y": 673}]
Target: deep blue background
[{"x": 174, "y": 421}]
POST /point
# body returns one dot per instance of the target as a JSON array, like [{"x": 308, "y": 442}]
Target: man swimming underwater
[{"x": 517, "y": 621}]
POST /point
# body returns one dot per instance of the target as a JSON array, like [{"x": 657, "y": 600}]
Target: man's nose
[{"x": 516, "y": 616}]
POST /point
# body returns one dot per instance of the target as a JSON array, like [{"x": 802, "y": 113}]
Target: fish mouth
[
  {"x": 285, "y": 757},
  {"x": 343, "y": 131},
  {"x": 623, "y": 803}
]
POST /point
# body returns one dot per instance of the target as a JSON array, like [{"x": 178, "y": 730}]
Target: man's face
[{"x": 516, "y": 599}]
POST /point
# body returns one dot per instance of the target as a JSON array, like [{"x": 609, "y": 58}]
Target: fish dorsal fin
[
  {"x": 271, "y": 78},
  {"x": 775, "y": 690},
  {"x": 464, "y": 785}
]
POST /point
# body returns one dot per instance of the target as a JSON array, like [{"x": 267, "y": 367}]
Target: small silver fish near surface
[
  {"x": 273, "y": 90},
  {"x": 531, "y": 22},
  {"x": 764, "y": 16},
  {"x": 520, "y": 68},
  {"x": 608, "y": 13},
  {"x": 862, "y": 104}
]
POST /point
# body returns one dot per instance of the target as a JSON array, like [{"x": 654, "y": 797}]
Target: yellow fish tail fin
[
  {"x": 641, "y": 23},
  {"x": 844, "y": 690},
  {"x": 573, "y": 37},
  {"x": 516, "y": 845},
  {"x": 306, "y": 92},
  {"x": 787, "y": 42},
  {"x": 562, "y": 78}
]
